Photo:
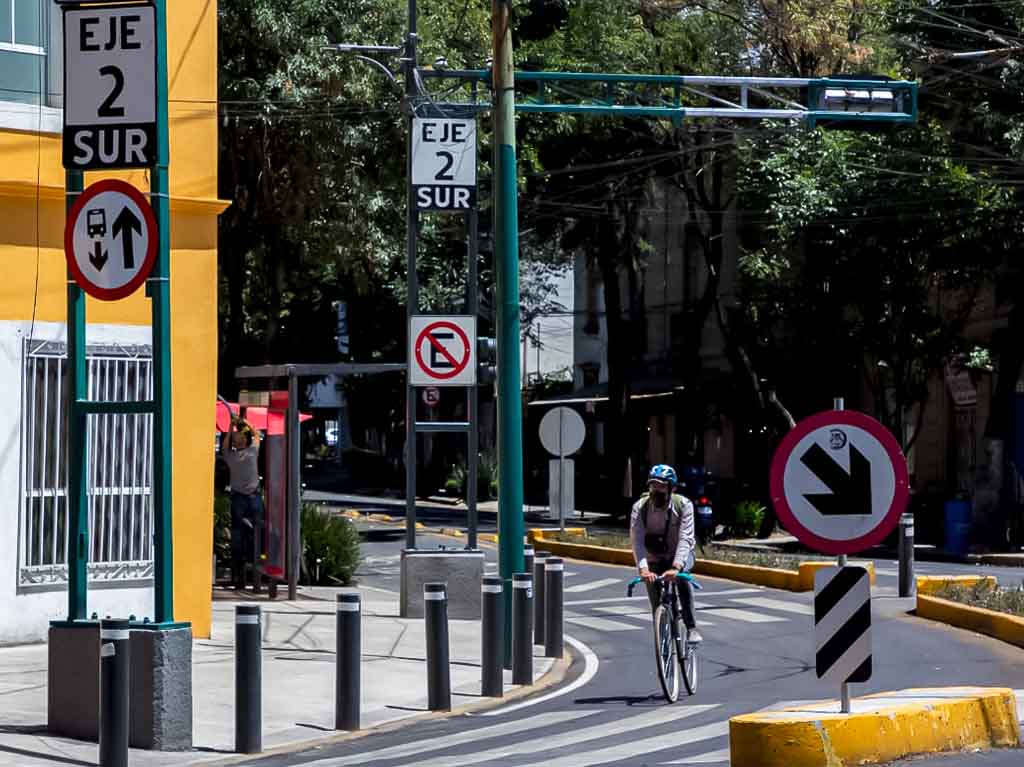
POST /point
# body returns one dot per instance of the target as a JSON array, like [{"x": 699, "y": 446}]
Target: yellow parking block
[{"x": 881, "y": 728}]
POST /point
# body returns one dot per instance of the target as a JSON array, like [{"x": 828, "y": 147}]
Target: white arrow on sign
[{"x": 110, "y": 240}]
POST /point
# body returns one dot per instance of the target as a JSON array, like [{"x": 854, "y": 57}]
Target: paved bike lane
[{"x": 758, "y": 653}]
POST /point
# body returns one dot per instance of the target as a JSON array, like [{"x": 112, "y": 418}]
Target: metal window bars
[{"x": 120, "y": 474}]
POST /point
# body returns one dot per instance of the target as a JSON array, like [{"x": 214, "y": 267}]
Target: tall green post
[
  {"x": 78, "y": 459},
  {"x": 158, "y": 288},
  {"x": 506, "y": 268}
]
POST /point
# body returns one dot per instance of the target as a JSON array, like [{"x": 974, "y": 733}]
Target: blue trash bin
[{"x": 958, "y": 526}]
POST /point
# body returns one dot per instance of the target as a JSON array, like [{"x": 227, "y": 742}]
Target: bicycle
[{"x": 673, "y": 653}]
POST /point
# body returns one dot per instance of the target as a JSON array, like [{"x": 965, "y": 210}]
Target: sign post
[
  {"x": 115, "y": 117},
  {"x": 562, "y": 433},
  {"x": 839, "y": 483}
]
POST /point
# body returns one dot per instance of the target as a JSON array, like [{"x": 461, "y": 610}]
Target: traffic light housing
[{"x": 486, "y": 360}]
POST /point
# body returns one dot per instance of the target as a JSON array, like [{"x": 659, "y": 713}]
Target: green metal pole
[
  {"x": 78, "y": 460},
  {"x": 159, "y": 290},
  {"x": 506, "y": 266}
]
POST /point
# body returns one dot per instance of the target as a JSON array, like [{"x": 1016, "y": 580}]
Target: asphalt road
[{"x": 758, "y": 653}]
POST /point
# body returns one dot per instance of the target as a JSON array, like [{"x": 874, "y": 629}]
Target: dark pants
[
  {"x": 246, "y": 514},
  {"x": 683, "y": 588}
]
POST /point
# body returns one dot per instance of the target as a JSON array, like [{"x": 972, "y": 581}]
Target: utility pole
[
  {"x": 412, "y": 301},
  {"x": 506, "y": 269}
]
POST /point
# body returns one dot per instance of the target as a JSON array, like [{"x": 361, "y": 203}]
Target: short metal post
[
  {"x": 492, "y": 633},
  {"x": 522, "y": 628},
  {"x": 248, "y": 680},
  {"x": 347, "y": 675},
  {"x": 538, "y": 596},
  {"x": 435, "y": 610},
  {"x": 528, "y": 560},
  {"x": 553, "y": 573},
  {"x": 908, "y": 586},
  {"x": 114, "y": 705}
]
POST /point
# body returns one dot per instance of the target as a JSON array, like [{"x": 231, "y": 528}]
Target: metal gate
[{"x": 120, "y": 466}]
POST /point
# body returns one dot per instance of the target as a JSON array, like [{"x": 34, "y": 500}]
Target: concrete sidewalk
[{"x": 298, "y": 681}]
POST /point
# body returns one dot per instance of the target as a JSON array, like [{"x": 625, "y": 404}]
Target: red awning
[{"x": 271, "y": 422}]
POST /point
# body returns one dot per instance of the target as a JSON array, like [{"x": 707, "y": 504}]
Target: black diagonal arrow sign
[
  {"x": 850, "y": 491},
  {"x": 126, "y": 223}
]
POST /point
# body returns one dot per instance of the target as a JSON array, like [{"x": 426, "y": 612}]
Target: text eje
[
  {"x": 451, "y": 133},
  {"x": 121, "y": 27}
]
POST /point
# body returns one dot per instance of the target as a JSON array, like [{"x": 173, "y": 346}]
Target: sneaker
[{"x": 694, "y": 637}]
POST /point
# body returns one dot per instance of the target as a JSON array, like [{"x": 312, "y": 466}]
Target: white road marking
[
  {"x": 747, "y": 616},
  {"x": 572, "y": 737},
  {"x": 456, "y": 739},
  {"x": 590, "y": 666},
  {"x": 777, "y": 604},
  {"x": 627, "y": 611},
  {"x": 639, "y": 594},
  {"x": 629, "y": 752},
  {"x": 602, "y": 624},
  {"x": 711, "y": 757},
  {"x": 592, "y": 585}
]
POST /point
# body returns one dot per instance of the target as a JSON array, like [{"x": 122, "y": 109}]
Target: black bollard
[
  {"x": 435, "y": 611},
  {"x": 553, "y": 575},
  {"x": 248, "y": 680},
  {"x": 492, "y": 617},
  {"x": 538, "y": 597},
  {"x": 908, "y": 585},
  {"x": 522, "y": 628},
  {"x": 115, "y": 663},
  {"x": 528, "y": 560},
  {"x": 347, "y": 674}
]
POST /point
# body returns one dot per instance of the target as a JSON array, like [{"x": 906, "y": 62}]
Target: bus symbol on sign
[{"x": 109, "y": 87}]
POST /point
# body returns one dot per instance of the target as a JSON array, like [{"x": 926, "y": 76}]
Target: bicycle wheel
[
  {"x": 688, "y": 662},
  {"x": 665, "y": 653}
]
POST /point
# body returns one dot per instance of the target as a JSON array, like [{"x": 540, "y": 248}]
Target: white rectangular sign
[
  {"x": 109, "y": 87},
  {"x": 442, "y": 351},
  {"x": 444, "y": 163}
]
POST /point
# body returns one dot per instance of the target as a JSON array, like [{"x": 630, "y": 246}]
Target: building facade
[{"x": 33, "y": 335}]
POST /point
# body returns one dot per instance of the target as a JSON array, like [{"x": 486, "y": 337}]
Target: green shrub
[
  {"x": 222, "y": 528},
  {"x": 486, "y": 479},
  {"x": 748, "y": 518},
  {"x": 334, "y": 541}
]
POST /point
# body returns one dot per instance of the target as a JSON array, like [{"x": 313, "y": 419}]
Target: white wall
[
  {"x": 25, "y": 613},
  {"x": 556, "y": 334}
]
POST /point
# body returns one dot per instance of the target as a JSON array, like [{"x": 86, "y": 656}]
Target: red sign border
[
  {"x": 149, "y": 221},
  {"x": 776, "y": 476},
  {"x": 465, "y": 341}
]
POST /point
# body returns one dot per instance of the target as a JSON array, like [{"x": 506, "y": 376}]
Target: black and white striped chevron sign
[{"x": 842, "y": 624}]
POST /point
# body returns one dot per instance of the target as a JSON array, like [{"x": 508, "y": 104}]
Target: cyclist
[{"x": 661, "y": 530}]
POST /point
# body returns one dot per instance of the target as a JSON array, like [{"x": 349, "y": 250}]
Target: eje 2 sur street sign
[
  {"x": 109, "y": 87},
  {"x": 110, "y": 240},
  {"x": 442, "y": 351},
  {"x": 839, "y": 482},
  {"x": 444, "y": 163}
]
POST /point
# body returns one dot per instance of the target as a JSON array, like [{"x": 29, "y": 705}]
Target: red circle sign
[
  {"x": 457, "y": 365},
  {"x": 100, "y": 236},
  {"x": 839, "y": 482}
]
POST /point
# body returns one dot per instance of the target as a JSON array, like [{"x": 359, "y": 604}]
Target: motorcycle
[{"x": 696, "y": 485}]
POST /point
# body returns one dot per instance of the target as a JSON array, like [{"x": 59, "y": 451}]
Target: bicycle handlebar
[{"x": 638, "y": 579}]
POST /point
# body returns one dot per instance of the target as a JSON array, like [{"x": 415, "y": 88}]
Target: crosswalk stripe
[
  {"x": 456, "y": 739},
  {"x": 629, "y": 752},
  {"x": 636, "y": 612},
  {"x": 602, "y": 624},
  {"x": 777, "y": 604},
  {"x": 572, "y": 737},
  {"x": 638, "y": 595},
  {"x": 711, "y": 757},
  {"x": 592, "y": 585},
  {"x": 746, "y": 616}
]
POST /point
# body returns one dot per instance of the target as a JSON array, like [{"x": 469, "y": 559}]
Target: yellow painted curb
[
  {"x": 489, "y": 537},
  {"x": 1008, "y": 628},
  {"x": 933, "y": 584},
  {"x": 533, "y": 535},
  {"x": 773, "y": 578},
  {"x": 585, "y": 552},
  {"x": 881, "y": 728},
  {"x": 808, "y": 570}
]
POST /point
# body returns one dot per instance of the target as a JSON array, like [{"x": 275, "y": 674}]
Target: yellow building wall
[{"x": 26, "y": 157}]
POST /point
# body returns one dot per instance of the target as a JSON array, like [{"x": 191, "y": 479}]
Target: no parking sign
[{"x": 442, "y": 351}]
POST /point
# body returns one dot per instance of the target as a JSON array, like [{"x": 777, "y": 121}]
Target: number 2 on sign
[
  {"x": 443, "y": 174},
  {"x": 107, "y": 108}
]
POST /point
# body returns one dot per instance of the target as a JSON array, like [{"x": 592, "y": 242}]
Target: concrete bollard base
[{"x": 460, "y": 569}]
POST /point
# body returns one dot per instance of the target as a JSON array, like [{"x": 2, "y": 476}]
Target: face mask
[{"x": 659, "y": 497}]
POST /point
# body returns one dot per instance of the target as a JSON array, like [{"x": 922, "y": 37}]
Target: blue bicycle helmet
[{"x": 664, "y": 473}]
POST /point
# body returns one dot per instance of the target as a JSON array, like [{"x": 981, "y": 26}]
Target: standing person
[
  {"x": 661, "y": 531},
  {"x": 240, "y": 450}
]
